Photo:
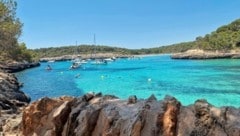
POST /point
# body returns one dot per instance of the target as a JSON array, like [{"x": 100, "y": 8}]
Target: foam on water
[{"x": 187, "y": 80}]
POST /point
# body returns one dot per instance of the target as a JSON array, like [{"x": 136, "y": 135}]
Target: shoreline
[
  {"x": 97, "y": 56},
  {"x": 84, "y": 56},
  {"x": 201, "y": 54},
  {"x": 149, "y": 55}
]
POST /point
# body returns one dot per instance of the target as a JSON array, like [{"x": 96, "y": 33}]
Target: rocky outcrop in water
[
  {"x": 97, "y": 115},
  {"x": 13, "y": 67},
  {"x": 200, "y": 54}
]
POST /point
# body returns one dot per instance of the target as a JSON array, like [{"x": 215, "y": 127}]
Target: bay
[{"x": 188, "y": 80}]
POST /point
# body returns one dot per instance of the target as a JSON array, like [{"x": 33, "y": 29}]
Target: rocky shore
[
  {"x": 13, "y": 67},
  {"x": 98, "y": 115},
  {"x": 200, "y": 54},
  {"x": 12, "y": 99},
  {"x": 84, "y": 56}
]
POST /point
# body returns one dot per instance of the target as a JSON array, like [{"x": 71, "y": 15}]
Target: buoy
[
  {"x": 102, "y": 76},
  {"x": 149, "y": 79}
]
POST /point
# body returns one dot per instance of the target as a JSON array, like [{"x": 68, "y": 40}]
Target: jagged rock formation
[{"x": 97, "y": 115}]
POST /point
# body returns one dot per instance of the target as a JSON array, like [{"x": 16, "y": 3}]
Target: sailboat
[
  {"x": 97, "y": 61},
  {"x": 76, "y": 63}
]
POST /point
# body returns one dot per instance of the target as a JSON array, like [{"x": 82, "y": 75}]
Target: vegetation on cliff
[
  {"x": 10, "y": 31},
  {"x": 225, "y": 38}
]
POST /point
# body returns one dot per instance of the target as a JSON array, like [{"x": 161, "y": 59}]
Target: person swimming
[{"x": 48, "y": 67}]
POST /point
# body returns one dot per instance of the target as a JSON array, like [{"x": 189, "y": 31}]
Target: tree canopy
[
  {"x": 225, "y": 38},
  {"x": 10, "y": 31},
  {"x": 81, "y": 49}
]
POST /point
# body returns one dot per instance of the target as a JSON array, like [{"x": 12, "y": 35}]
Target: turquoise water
[{"x": 187, "y": 80}]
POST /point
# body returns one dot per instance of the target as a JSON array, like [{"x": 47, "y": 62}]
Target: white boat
[
  {"x": 75, "y": 65},
  {"x": 109, "y": 59},
  {"x": 83, "y": 62},
  {"x": 51, "y": 61},
  {"x": 99, "y": 62},
  {"x": 113, "y": 58},
  {"x": 79, "y": 61},
  {"x": 76, "y": 60}
]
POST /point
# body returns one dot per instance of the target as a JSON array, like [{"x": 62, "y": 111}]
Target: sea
[{"x": 216, "y": 80}]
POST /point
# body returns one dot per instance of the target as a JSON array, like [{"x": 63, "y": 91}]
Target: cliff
[{"x": 95, "y": 115}]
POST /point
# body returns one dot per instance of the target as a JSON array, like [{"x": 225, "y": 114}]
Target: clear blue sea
[{"x": 218, "y": 81}]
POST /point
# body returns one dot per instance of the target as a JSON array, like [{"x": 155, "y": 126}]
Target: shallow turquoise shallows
[{"x": 218, "y": 81}]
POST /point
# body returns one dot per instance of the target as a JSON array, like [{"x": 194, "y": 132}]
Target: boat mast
[
  {"x": 94, "y": 39},
  {"x": 94, "y": 43},
  {"x": 76, "y": 50}
]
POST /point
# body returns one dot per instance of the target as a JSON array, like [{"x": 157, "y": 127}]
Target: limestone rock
[
  {"x": 93, "y": 115},
  {"x": 152, "y": 98},
  {"x": 10, "y": 124},
  {"x": 202, "y": 54},
  {"x": 132, "y": 99},
  {"x": 46, "y": 116}
]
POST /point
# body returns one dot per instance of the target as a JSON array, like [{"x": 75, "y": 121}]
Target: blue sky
[{"x": 122, "y": 23}]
